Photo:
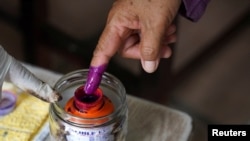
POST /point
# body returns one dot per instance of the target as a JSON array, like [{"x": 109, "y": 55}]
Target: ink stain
[
  {"x": 69, "y": 109},
  {"x": 88, "y": 98},
  {"x": 84, "y": 101},
  {"x": 81, "y": 96},
  {"x": 87, "y": 105}
]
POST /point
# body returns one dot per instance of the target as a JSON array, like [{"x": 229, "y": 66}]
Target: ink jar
[{"x": 67, "y": 126}]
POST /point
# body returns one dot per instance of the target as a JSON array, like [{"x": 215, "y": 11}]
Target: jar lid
[
  {"x": 93, "y": 105},
  {"x": 7, "y": 102},
  {"x": 85, "y": 101}
]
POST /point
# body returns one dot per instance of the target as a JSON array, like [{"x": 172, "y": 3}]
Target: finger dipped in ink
[
  {"x": 93, "y": 105},
  {"x": 94, "y": 78}
]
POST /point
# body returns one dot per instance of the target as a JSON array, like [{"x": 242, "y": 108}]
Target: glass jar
[{"x": 67, "y": 127}]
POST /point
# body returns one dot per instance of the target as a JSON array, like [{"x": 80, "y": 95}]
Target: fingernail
[
  {"x": 149, "y": 66},
  {"x": 59, "y": 97},
  {"x": 55, "y": 97}
]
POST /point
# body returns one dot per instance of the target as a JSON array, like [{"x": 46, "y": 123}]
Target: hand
[
  {"x": 17, "y": 74},
  {"x": 138, "y": 29}
]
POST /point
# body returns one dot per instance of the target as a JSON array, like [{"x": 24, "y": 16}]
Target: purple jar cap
[{"x": 7, "y": 103}]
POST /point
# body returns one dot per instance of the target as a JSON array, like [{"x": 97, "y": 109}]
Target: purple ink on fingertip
[{"x": 94, "y": 78}]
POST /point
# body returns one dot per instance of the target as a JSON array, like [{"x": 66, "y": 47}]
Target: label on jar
[{"x": 92, "y": 134}]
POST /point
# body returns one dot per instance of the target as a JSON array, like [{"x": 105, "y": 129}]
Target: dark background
[{"x": 207, "y": 77}]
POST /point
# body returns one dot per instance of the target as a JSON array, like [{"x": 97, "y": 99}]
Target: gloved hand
[{"x": 14, "y": 72}]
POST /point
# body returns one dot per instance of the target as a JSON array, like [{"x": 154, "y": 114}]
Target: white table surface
[{"x": 147, "y": 121}]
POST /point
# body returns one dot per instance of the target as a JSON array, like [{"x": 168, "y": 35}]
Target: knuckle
[{"x": 149, "y": 53}]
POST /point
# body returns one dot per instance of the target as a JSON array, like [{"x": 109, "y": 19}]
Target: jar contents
[
  {"x": 93, "y": 105},
  {"x": 99, "y": 114}
]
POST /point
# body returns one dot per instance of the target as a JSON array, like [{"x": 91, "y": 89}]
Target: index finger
[{"x": 107, "y": 46}]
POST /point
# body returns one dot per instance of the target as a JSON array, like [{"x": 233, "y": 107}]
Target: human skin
[{"x": 138, "y": 29}]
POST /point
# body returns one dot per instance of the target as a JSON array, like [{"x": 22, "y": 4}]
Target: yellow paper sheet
[{"x": 25, "y": 122}]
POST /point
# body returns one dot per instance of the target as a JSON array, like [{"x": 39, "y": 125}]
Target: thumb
[
  {"x": 151, "y": 43},
  {"x": 4, "y": 65},
  {"x": 14, "y": 72},
  {"x": 24, "y": 79}
]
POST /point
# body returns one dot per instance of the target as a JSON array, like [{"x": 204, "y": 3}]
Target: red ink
[
  {"x": 85, "y": 101},
  {"x": 88, "y": 98},
  {"x": 92, "y": 105},
  {"x": 81, "y": 96}
]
